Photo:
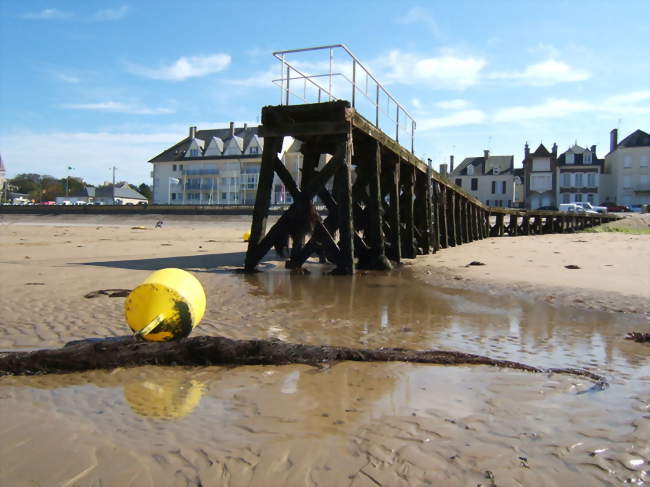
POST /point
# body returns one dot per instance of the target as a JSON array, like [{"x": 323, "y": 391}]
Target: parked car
[
  {"x": 548, "y": 208},
  {"x": 589, "y": 207},
  {"x": 635, "y": 208},
  {"x": 571, "y": 208},
  {"x": 613, "y": 207}
]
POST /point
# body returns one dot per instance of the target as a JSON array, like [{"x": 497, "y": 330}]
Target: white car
[{"x": 589, "y": 208}]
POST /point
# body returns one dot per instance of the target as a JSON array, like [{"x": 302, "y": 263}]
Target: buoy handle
[{"x": 151, "y": 326}]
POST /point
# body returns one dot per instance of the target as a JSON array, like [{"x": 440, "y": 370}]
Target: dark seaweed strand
[{"x": 111, "y": 353}]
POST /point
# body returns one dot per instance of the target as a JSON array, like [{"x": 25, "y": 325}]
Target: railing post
[
  {"x": 377, "y": 105},
  {"x": 397, "y": 123},
  {"x": 288, "y": 76},
  {"x": 354, "y": 82}
]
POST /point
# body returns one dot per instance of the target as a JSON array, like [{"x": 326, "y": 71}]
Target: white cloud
[
  {"x": 457, "y": 104},
  {"x": 261, "y": 79},
  {"x": 420, "y": 15},
  {"x": 464, "y": 117},
  {"x": 118, "y": 107},
  {"x": 546, "y": 73},
  {"x": 622, "y": 105},
  {"x": 66, "y": 78},
  {"x": 448, "y": 71},
  {"x": 47, "y": 14},
  {"x": 111, "y": 13},
  {"x": 551, "y": 108},
  {"x": 185, "y": 67},
  {"x": 91, "y": 154}
]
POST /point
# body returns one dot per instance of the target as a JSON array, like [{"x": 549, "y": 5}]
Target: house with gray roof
[
  {"x": 579, "y": 175},
  {"x": 209, "y": 167},
  {"x": 491, "y": 179},
  {"x": 628, "y": 167}
]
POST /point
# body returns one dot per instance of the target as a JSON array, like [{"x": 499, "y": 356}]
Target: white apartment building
[
  {"x": 628, "y": 165},
  {"x": 216, "y": 167},
  {"x": 490, "y": 179},
  {"x": 579, "y": 176}
]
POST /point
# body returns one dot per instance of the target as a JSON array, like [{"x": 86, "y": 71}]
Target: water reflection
[{"x": 164, "y": 398}]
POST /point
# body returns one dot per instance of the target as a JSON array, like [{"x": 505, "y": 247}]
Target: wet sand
[{"x": 346, "y": 424}]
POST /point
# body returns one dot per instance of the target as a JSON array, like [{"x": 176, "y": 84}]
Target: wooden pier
[{"x": 382, "y": 203}]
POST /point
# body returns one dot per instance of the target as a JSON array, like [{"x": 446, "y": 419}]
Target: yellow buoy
[
  {"x": 246, "y": 236},
  {"x": 167, "y": 305},
  {"x": 165, "y": 398}
]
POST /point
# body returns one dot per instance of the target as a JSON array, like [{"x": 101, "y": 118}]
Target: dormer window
[
  {"x": 194, "y": 152},
  {"x": 586, "y": 158},
  {"x": 570, "y": 158},
  {"x": 495, "y": 171},
  {"x": 254, "y": 150},
  {"x": 470, "y": 170}
]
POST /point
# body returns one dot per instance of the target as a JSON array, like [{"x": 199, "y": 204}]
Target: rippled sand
[{"x": 346, "y": 424}]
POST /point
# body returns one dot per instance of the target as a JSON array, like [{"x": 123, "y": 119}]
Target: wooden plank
[
  {"x": 272, "y": 146},
  {"x": 435, "y": 217}
]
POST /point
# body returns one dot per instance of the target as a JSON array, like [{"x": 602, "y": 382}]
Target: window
[
  {"x": 474, "y": 184},
  {"x": 494, "y": 187},
  {"x": 644, "y": 161},
  {"x": 194, "y": 152},
  {"x": 224, "y": 196},
  {"x": 180, "y": 167},
  {"x": 174, "y": 167},
  {"x": 566, "y": 198},
  {"x": 487, "y": 202},
  {"x": 570, "y": 158},
  {"x": 627, "y": 181},
  {"x": 254, "y": 150},
  {"x": 590, "y": 198},
  {"x": 541, "y": 182},
  {"x": 578, "y": 197},
  {"x": 586, "y": 158},
  {"x": 541, "y": 164},
  {"x": 566, "y": 179},
  {"x": 643, "y": 180},
  {"x": 173, "y": 196},
  {"x": 627, "y": 161},
  {"x": 495, "y": 171},
  {"x": 578, "y": 180},
  {"x": 470, "y": 170},
  {"x": 459, "y": 182},
  {"x": 503, "y": 187},
  {"x": 591, "y": 180}
]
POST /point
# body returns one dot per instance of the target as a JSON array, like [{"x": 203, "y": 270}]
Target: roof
[
  {"x": 176, "y": 152},
  {"x": 578, "y": 157},
  {"x": 638, "y": 138},
  {"x": 541, "y": 151},
  {"x": 504, "y": 163},
  {"x": 120, "y": 192}
]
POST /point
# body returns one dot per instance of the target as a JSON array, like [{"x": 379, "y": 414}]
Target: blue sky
[{"x": 96, "y": 84}]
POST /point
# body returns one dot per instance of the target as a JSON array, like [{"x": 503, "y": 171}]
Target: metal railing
[{"x": 294, "y": 81}]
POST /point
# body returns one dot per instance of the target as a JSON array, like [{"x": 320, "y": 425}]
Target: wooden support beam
[
  {"x": 394, "y": 217},
  {"x": 375, "y": 231},
  {"x": 460, "y": 238},
  {"x": 526, "y": 224},
  {"x": 343, "y": 192},
  {"x": 443, "y": 203},
  {"x": 272, "y": 146},
  {"x": 435, "y": 216},
  {"x": 408, "y": 236},
  {"x": 451, "y": 218}
]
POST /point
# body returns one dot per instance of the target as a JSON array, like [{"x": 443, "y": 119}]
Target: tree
[{"x": 145, "y": 190}]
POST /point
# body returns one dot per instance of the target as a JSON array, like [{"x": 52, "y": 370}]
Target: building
[
  {"x": 490, "y": 179},
  {"x": 218, "y": 167},
  {"x": 579, "y": 176},
  {"x": 628, "y": 167},
  {"x": 105, "y": 195},
  {"x": 540, "y": 177}
]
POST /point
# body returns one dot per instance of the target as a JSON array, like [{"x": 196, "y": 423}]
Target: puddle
[{"x": 349, "y": 423}]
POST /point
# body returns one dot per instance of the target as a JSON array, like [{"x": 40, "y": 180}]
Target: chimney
[
  {"x": 192, "y": 132},
  {"x": 245, "y": 126},
  {"x": 593, "y": 150},
  {"x": 486, "y": 154},
  {"x": 451, "y": 164},
  {"x": 613, "y": 140},
  {"x": 232, "y": 129},
  {"x": 443, "y": 170},
  {"x": 526, "y": 151},
  {"x": 554, "y": 150}
]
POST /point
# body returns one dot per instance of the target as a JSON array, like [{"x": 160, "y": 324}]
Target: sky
[{"x": 92, "y": 85}]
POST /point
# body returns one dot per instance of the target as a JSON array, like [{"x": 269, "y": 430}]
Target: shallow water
[{"x": 348, "y": 423}]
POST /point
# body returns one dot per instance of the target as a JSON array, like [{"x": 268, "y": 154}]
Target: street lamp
[{"x": 67, "y": 182}]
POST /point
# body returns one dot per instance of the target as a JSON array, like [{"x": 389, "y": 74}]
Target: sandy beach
[{"x": 357, "y": 424}]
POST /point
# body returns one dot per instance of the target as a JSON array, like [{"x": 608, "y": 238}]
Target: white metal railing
[{"x": 315, "y": 87}]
